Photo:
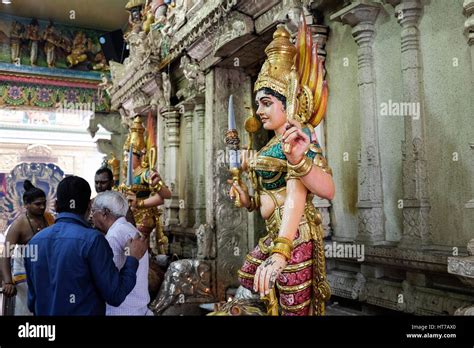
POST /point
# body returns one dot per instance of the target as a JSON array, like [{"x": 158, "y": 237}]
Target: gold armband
[
  {"x": 300, "y": 169},
  {"x": 321, "y": 162},
  {"x": 140, "y": 203},
  {"x": 157, "y": 187}
]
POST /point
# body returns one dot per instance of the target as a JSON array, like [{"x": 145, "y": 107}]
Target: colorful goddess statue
[
  {"x": 33, "y": 34},
  {"x": 79, "y": 50},
  {"x": 286, "y": 173},
  {"x": 144, "y": 187}
]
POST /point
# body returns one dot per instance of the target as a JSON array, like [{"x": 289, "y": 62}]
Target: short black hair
[
  {"x": 274, "y": 93},
  {"x": 73, "y": 196},
  {"x": 31, "y": 192},
  {"x": 105, "y": 170}
]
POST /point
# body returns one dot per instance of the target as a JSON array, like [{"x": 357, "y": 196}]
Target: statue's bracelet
[
  {"x": 283, "y": 240},
  {"x": 282, "y": 249},
  {"x": 141, "y": 204}
]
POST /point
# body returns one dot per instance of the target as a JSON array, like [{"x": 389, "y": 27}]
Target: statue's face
[
  {"x": 136, "y": 160},
  {"x": 270, "y": 110}
]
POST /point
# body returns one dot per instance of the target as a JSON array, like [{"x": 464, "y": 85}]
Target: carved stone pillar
[
  {"x": 361, "y": 17},
  {"x": 171, "y": 115},
  {"x": 161, "y": 142},
  {"x": 416, "y": 204},
  {"x": 320, "y": 35},
  {"x": 198, "y": 163},
  {"x": 186, "y": 207},
  {"x": 230, "y": 224}
]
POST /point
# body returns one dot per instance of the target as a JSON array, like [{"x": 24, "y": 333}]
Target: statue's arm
[
  {"x": 294, "y": 208},
  {"x": 319, "y": 180}
]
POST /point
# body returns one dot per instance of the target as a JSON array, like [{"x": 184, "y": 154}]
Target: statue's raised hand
[{"x": 295, "y": 141}]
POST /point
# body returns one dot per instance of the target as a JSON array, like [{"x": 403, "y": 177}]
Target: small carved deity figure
[
  {"x": 52, "y": 40},
  {"x": 205, "y": 242},
  {"x": 16, "y": 35},
  {"x": 159, "y": 9},
  {"x": 148, "y": 16},
  {"x": 105, "y": 85},
  {"x": 136, "y": 9},
  {"x": 65, "y": 43},
  {"x": 79, "y": 49},
  {"x": 100, "y": 62},
  {"x": 138, "y": 46},
  {"x": 192, "y": 72},
  {"x": 176, "y": 14},
  {"x": 154, "y": 42},
  {"x": 166, "y": 87},
  {"x": 32, "y": 34}
]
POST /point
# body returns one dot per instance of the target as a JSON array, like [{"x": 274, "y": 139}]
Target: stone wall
[
  {"x": 445, "y": 62},
  {"x": 426, "y": 179}
]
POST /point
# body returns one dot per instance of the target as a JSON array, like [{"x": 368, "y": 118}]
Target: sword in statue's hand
[{"x": 232, "y": 141}]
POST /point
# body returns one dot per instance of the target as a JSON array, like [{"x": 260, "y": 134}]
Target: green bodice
[
  {"x": 270, "y": 164},
  {"x": 140, "y": 183}
]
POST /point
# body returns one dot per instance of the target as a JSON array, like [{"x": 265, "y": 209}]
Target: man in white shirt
[{"x": 108, "y": 215}]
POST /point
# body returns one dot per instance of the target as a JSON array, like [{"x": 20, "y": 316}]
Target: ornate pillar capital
[
  {"x": 199, "y": 102},
  {"x": 361, "y": 16},
  {"x": 186, "y": 107},
  {"x": 172, "y": 117},
  {"x": 409, "y": 12},
  {"x": 320, "y": 35},
  {"x": 358, "y": 15}
]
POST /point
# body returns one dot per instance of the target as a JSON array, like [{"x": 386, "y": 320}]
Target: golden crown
[
  {"x": 276, "y": 70},
  {"x": 136, "y": 137},
  {"x": 296, "y": 73}
]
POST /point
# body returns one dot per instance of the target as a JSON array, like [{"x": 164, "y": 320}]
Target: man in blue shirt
[{"x": 74, "y": 272}]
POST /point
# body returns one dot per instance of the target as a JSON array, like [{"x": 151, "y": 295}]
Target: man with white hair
[{"x": 108, "y": 215}]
